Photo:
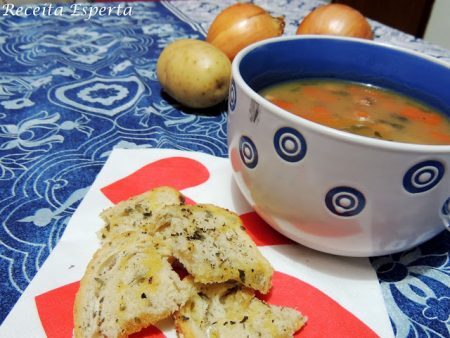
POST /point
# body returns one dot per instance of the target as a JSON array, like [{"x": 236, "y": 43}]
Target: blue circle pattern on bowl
[
  {"x": 248, "y": 152},
  {"x": 445, "y": 211},
  {"x": 446, "y": 207},
  {"x": 232, "y": 98},
  {"x": 290, "y": 144},
  {"x": 423, "y": 176},
  {"x": 345, "y": 201}
]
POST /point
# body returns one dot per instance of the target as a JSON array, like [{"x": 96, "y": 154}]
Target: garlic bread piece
[
  {"x": 212, "y": 244},
  {"x": 128, "y": 285},
  {"x": 230, "y": 310},
  {"x": 138, "y": 212}
]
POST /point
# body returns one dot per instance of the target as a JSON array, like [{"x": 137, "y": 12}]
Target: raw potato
[{"x": 194, "y": 72}]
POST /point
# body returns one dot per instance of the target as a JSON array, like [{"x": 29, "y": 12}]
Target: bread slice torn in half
[
  {"x": 138, "y": 211},
  {"x": 128, "y": 285},
  {"x": 213, "y": 246},
  {"x": 230, "y": 310}
]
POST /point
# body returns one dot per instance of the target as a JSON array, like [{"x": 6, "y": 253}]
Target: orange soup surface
[{"x": 362, "y": 109}]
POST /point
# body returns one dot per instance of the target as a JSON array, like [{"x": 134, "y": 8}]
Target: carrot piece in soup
[
  {"x": 283, "y": 104},
  {"x": 433, "y": 119},
  {"x": 321, "y": 115},
  {"x": 419, "y": 115},
  {"x": 440, "y": 137}
]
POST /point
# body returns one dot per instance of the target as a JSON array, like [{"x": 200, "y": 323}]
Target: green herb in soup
[{"x": 362, "y": 109}]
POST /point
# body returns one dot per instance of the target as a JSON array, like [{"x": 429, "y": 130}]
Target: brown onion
[
  {"x": 336, "y": 19},
  {"x": 240, "y": 25}
]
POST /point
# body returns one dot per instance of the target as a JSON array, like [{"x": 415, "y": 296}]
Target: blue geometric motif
[
  {"x": 345, "y": 201},
  {"x": 232, "y": 96},
  {"x": 446, "y": 207},
  {"x": 248, "y": 152},
  {"x": 445, "y": 214},
  {"x": 423, "y": 176},
  {"x": 290, "y": 144},
  {"x": 100, "y": 95}
]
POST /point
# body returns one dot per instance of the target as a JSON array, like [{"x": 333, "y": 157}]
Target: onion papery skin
[
  {"x": 336, "y": 19},
  {"x": 241, "y": 25}
]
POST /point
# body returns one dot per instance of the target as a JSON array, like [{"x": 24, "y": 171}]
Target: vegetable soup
[{"x": 362, "y": 109}]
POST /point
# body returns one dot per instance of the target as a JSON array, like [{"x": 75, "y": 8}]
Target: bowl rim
[{"x": 322, "y": 129}]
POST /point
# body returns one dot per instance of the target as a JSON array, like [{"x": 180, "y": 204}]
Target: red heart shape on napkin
[{"x": 177, "y": 172}]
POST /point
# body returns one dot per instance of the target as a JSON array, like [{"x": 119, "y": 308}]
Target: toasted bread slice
[
  {"x": 128, "y": 285},
  {"x": 138, "y": 212},
  {"x": 213, "y": 246},
  {"x": 230, "y": 310}
]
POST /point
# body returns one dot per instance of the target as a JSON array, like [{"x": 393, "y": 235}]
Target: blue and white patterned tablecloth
[{"x": 73, "y": 88}]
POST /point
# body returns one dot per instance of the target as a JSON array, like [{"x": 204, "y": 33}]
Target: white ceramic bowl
[{"x": 330, "y": 190}]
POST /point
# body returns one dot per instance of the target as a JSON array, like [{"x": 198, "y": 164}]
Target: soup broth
[{"x": 362, "y": 109}]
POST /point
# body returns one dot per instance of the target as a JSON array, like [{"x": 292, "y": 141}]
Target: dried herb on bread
[
  {"x": 230, "y": 310},
  {"x": 213, "y": 246},
  {"x": 138, "y": 212}
]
